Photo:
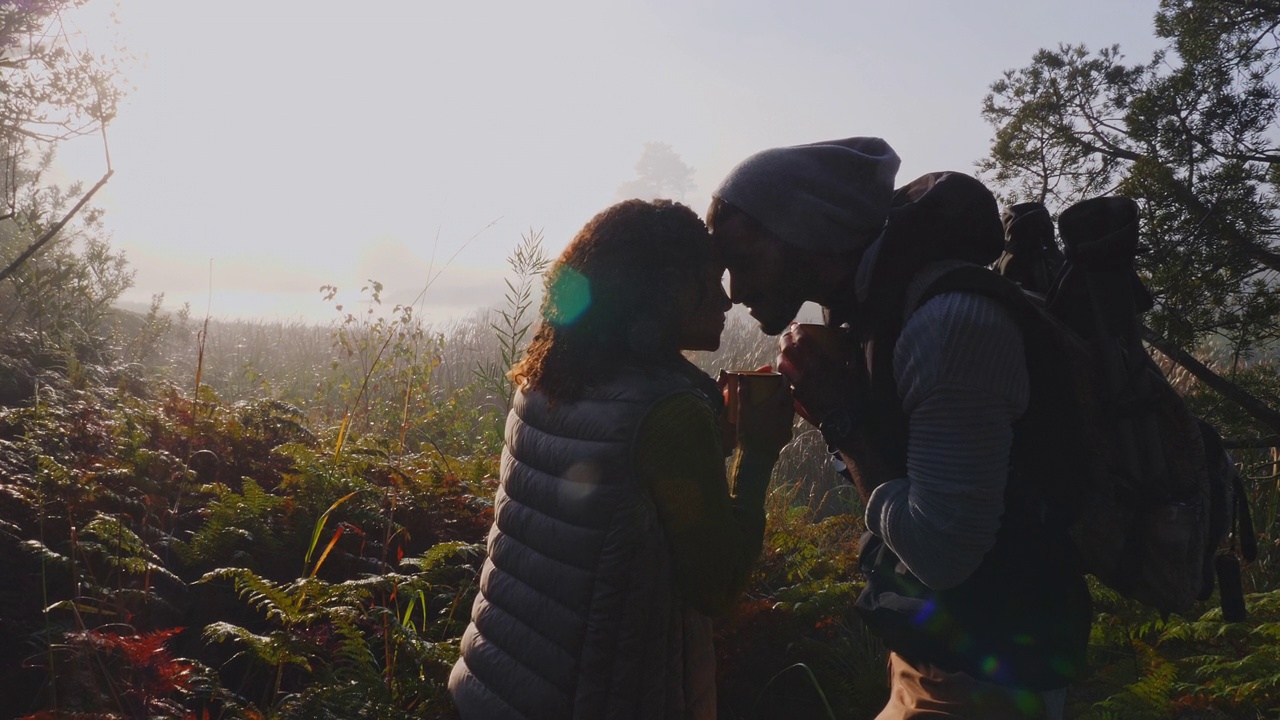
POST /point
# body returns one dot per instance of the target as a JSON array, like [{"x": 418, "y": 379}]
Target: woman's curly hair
[{"x": 610, "y": 299}]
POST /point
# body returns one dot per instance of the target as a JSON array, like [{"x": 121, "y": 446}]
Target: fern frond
[
  {"x": 273, "y": 600},
  {"x": 41, "y": 551},
  {"x": 54, "y": 470},
  {"x": 119, "y": 547},
  {"x": 438, "y": 554},
  {"x": 273, "y": 649}
]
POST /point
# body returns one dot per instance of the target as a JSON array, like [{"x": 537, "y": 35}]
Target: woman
[{"x": 615, "y": 534}]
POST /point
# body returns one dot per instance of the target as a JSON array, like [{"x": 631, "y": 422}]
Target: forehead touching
[{"x": 738, "y": 239}]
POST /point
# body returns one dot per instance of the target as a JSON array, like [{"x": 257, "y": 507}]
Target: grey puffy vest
[{"x": 577, "y": 615}]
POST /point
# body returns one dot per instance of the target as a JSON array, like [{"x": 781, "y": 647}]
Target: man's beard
[{"x": 773, "y": 320}]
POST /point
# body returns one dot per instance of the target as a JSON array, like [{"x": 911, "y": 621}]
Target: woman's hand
[
  {"x": 762, "y": 424},
  {"x": 728, "y": 430}
]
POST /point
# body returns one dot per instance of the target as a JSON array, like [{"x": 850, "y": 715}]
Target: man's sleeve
[
  {"x": 714, "y": 537},
  {"x": 961, "y": 371}
]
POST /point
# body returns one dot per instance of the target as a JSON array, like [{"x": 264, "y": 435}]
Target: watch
[{"x": 836, "y": 426}]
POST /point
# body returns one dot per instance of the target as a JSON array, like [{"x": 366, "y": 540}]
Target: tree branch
[
  {"x": 1205, "y": 143},
  {"x": 1110, "y": 150},
  {"x": 1255, "y": 408},
  {"x": 52, "y": 231},
  {"x": 1251, "y": 443},
  {"x": 1267, "y": 258}
]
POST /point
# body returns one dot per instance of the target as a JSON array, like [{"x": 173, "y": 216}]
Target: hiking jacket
[
  {"x": 1021, "y": 618},
  {"x": 577, "y": 615}
]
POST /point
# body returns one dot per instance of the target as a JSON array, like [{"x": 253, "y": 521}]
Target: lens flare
[{"x": 568, "y": 296}]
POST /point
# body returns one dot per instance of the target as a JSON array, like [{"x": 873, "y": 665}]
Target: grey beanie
[{"x": 828, "y": 196}]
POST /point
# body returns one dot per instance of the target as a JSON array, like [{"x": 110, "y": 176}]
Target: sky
[{"x": 269, "y": 147}]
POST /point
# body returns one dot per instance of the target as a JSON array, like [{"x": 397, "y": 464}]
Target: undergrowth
[
  {"x": 305, "y": 542},
  {"x": 168, "y": 558}
]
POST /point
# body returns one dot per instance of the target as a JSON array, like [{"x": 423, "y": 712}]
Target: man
[{"x": 922, "y": 394}]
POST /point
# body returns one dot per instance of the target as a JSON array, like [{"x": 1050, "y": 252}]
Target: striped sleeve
[{"x": 961, "y": 371}]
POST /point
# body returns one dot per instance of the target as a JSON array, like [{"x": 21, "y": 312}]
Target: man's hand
[
  {"x": 825, "y": 369},
  {"x": 828, "y": 372}
]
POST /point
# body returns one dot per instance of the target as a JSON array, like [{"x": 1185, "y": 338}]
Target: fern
[
  {"x": 47, "y": 556},
  {"x": 236, "y": 524},
  {"x": 275, "y": 422},
  {"x": 275, "y": 649},
  {"x": 341, "y": 636},
  {"x": 353, "y": 659},
  {"x": 435, "y": 558},
  {"x": 54, "y": 471},
  {"x": 1149, "y": 696},
  {"x": 120, "y": 548},
  {"x": 279, "y": 602}
]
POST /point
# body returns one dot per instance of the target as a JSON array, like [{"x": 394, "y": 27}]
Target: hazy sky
[{"x": 296, "y": 143}]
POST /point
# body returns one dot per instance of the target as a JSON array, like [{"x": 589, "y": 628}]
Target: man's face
[{"x": 764, "y": 273}]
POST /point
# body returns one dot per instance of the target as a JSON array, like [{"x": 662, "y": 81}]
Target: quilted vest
[{"x": 577, "y": 615}]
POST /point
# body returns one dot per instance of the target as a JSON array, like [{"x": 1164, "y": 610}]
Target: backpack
[{"x": 1146, "y": 491}]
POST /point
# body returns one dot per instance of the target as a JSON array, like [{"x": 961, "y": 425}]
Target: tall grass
[{"x": 301, "y": 364}]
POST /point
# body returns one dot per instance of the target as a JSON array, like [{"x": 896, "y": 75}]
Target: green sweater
[{"x": 715, "y": 533}]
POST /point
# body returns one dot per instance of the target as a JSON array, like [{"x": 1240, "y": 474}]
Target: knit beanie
[{"x": 828, "y": 196}]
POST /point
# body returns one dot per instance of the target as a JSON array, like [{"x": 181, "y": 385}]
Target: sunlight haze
[{"x": 295, "y": 144}]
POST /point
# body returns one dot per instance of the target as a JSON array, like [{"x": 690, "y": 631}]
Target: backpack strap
[
  {"x": 948, "y": 276},
  {"x": 1050, "y": 505}
]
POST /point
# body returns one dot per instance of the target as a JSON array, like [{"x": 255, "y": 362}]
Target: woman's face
[{"x": 702, "y": 310}]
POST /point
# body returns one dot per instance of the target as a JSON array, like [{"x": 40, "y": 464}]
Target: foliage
[
  {"x": 156, "y": 325},
  {"x": 136, "y": 671},
  {"x": 113, "y": 507},
  {"x": 795, "y": 647},
  {"x": 383, "y": 360},
  {"x": 65, "y": 293},
  {"x": 235, "y": 525},
  {"x": 1146, "y": 666},
  {"x": 53, "y": 87},
  {"x": 1189, "y": 134},
  {"x": 1231, "y": 666},
  {"x": 361, "y": 654}
]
